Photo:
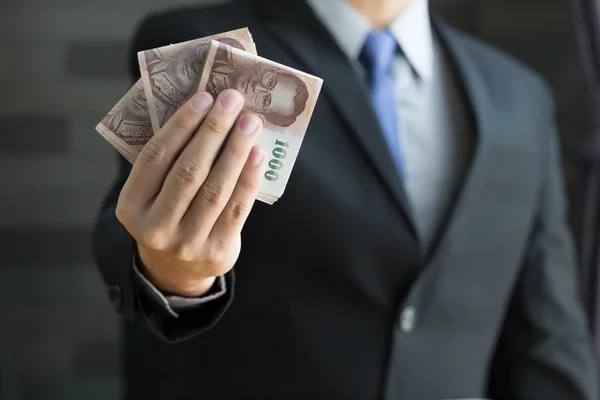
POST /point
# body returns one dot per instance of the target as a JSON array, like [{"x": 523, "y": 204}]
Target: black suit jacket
[{"x": 316, "y": 305}]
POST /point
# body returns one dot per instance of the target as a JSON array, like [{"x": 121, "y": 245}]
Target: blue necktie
[{"x": 376, "y": 57}]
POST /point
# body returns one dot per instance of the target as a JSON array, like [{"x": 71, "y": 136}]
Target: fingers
[
  {"x": 176, "y": 191},
  {"x": 157, "y": 156},
  {"x": 232, "y": 219},
  {"x": 216, "y": 191},
  {"x": 191, "y": 168}
]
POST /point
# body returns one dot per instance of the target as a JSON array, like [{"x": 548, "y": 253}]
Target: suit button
[
  {"x": 408, "y": 319},
  {"x": 115, "y": 295}
]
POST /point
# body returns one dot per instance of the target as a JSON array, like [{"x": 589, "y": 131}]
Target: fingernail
[
  {"x": 249, "y": 123},
  {"x": 256, "y": 156},
  {"x": 201, "y": 101},
  {"x": 230, "y": 100}
]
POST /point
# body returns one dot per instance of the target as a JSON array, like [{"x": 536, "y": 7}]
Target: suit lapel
[
  {"x": 295, "y": 28},
  {"x": 484, "y": 119}
]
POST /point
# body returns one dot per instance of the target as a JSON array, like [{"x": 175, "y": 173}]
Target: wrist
[
  {"x": 188, "y": 289},
  {"x": 168, "y": 282}
]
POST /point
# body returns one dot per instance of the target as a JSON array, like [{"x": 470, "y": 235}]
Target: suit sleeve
[
  {"x": 175, "y": 305},
  {"x": 114, "y": 248},
  {"x": 545, "y": 349}
]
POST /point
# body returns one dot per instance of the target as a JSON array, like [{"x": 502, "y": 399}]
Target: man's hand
[{"x": 183, "y": 206}]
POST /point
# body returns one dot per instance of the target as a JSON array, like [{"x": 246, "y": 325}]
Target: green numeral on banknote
[
  {"x": 271, "y": 175},
  {"x": 276, "y": 164},
  {"x": 279, "y": 153},
  {"x": 280, "y": 143}
]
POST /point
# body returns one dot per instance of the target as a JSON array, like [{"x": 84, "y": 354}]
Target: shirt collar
[{"x": 412, "y": 30}]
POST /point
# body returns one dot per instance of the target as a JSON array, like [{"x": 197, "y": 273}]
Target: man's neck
[{"x": 380, "y": 12}]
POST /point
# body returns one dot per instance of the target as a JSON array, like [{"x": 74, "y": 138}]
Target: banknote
[
  {"x": 170, "y": 73},
  {"x": 127, "y": 126},
  {"x": 284, "y": 98}
]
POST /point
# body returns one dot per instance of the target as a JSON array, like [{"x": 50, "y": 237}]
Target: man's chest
[{"x": 436, "y": 137}]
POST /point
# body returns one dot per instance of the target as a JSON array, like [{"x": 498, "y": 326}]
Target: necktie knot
[{"x": 378, "y": 52}]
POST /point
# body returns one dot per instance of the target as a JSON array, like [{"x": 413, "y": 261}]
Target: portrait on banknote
[
  {"x": 129, "y": 119},
  {"x": 276, "y": 95},
  {"x": 173, "y": 79}
]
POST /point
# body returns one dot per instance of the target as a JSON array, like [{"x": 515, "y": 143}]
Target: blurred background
[{"x": 63, "y": 67}]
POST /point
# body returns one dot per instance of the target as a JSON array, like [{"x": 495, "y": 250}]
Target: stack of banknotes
[{"x": 283, "y": 97}]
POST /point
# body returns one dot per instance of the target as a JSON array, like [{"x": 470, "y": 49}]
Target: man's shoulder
[
  {"x": 190, "y": 22},
  {"x": 504, "y": 74},
  {"x": 192, "y": 10}
]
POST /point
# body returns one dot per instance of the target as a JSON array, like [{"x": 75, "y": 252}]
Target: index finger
[{"x": 159, "y": 154}]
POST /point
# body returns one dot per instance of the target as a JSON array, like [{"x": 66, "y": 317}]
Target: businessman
[{"x": 420, "y": 251}]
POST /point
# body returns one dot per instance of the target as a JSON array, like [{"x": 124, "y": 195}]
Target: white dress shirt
[{"x": 434, "y": 132}]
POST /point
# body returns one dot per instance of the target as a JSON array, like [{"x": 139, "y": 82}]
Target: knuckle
[
  {"x": 185, "y": 252},
  {"x": 213, "y": 191},
  {"x": 236, "y": 151},
  {"x": 123, "y": 212},
  {"x": 216, "y": 127},
  {"x": 214, "y": 258},
  {"x": 188, "y": 172},
  {"x": 183, "y": 122},
  {"x": 238, "y": 209},
  {"x": 155, "y": 239},
  {"x": 155, "y": 151},
  {"x": 249, "y": 185}
]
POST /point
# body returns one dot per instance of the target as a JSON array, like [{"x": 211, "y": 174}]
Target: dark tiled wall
[
  {"x": 30, "y": 135},
  {"x": 65, "y": 67},
  {"x": 101, "y": 59}
]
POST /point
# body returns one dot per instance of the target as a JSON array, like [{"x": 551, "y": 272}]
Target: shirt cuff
[{"x": 176, "y": 304}]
